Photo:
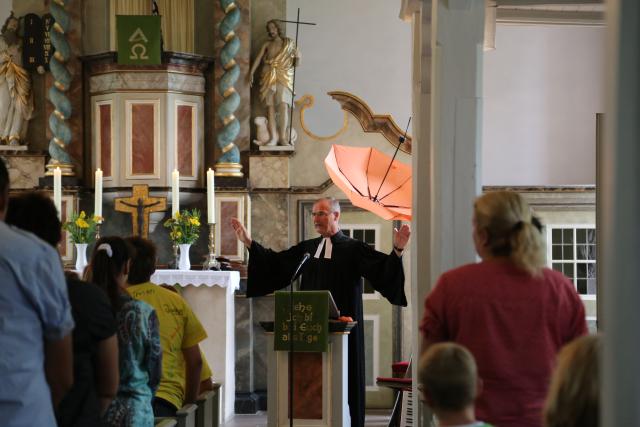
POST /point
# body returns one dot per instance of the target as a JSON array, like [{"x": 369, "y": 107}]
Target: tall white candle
[
  {"x": 211, "y": 201},
  {"x": 175, "y": 192},
  {"x": 97, "y": 209},
  {"x": 57, "y": 190}
]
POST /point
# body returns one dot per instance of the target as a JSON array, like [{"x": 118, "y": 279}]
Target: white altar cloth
[{"x": 211, "y": 296}]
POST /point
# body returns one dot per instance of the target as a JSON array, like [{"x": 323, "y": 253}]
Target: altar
[{"x": 211, "y": 296}]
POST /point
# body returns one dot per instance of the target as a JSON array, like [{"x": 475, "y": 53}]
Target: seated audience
[
  {"x": 95, "y": 345},
  {"x": 511, "y": 312},
  {"x": 574, "y": 393},
  {"x": 449, "y": 384},
  {"x": 36, "y": 362},
  {"x": 138, "y": 337},
  {"x": 180, "y": 333}
]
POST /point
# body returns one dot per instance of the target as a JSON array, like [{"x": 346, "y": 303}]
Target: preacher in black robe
[{"x": 341, "y": 274}]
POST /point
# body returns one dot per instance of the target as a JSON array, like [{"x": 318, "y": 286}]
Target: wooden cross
[{"x": 139, "y": 206}]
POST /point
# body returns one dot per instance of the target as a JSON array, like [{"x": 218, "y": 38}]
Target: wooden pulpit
[{"x": 320, "y": 360}]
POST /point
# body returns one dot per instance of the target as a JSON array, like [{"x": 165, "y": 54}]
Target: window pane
[
  {"x": 591, "y": 236},
  {"x": 358, "y": 235},
  {"x": 591, "y": 252},
  {"x": 567, "y": 235},
  {"x": 568, "y": 269},
  {"x": 582, "y": 286},
  {"x": 556, "y": 235},
  {"x": 591, "y": 271},
  {"x": 591, "y": 286},
  {"x": 581, "y": 252},
  {"x": 556, "y": 252},
  {"x": 581, "y": 270},
  {"x": 346, "y": 232},
  {"x": 567, "y": 251},
  {"x": 581, "y": 235},
  {"x": 370, "y": 237},
  {"x": 557, "y": 266}
]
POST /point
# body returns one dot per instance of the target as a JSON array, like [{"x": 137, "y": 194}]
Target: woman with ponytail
[
  {"x": 511, "y": 312},
  {"x": 138, "y": 336}
]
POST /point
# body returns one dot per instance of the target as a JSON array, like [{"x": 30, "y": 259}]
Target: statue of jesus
[{"x": 279, "y": 56}]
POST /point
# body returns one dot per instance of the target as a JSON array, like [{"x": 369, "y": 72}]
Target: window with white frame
[
  {"x": 571, "y": 249},
  {"x": 367, "y": 233}
]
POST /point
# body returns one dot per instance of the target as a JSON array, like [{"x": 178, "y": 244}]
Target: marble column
[
  {"x": 447, "y": 77},
  {"x": 619, "y": 203}
]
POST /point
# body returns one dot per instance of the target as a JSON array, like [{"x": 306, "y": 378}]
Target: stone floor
[{"x": 377, "y": 418}]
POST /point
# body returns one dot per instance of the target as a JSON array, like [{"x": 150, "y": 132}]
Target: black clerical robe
[{"x": 341, "y": 274}]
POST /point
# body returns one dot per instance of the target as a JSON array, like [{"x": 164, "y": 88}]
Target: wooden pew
[
  {"x": 209, "y": 408},
  {"x": 165, "y": 422},
  {"x": 186, "y": 416}
]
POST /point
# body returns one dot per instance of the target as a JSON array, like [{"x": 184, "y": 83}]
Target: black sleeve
[
  {"x": 94, "y": 310},
  {"x": 384, "y": 272},
  {"x": 268, "y": 270}
]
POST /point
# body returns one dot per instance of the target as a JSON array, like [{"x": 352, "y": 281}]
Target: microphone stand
[{"x": 305, "y": 258}]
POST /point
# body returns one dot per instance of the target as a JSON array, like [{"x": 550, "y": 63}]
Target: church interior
[{"x": 476, "y": 96}]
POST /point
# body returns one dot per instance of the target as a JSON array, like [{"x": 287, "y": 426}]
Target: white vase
[
  {"x": 81, "y": 257},
  {"x": 184, "y": 263}
]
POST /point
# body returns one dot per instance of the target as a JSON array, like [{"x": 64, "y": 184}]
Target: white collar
[{"x": 326, "y": 243}]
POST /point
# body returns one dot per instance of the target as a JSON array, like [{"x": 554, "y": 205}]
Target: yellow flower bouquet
[
  {"x": 82, "y": 227},
  {"x": 184, "y": 227}
]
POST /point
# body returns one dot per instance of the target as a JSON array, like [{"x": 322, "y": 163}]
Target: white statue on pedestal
[
  {"x": 16, "y": 101},
  {"x": 279, "y": 56}
]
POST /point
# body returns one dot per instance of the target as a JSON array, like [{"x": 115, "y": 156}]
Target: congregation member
[
  {"x": 36, "y": 361},
  {"x": 574, "y": 393},
  {"x": 449, "y": 385},
  {"x": 138, "y": 336},
  {"x": 180, "y": 332},
  {"x": 511, "y": 312},
  {"x": 95, "y": 345},
  {"x": 337, "y": 263}
]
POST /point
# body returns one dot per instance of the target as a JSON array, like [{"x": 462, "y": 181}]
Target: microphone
[{"x": 305, "y": 258}]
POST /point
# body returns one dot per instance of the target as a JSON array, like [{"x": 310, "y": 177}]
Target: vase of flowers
[
  {"x": 82, "y": 229},
  {"x": 184, "y": 229}
]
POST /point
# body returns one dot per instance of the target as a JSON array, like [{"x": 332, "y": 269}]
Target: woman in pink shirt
[{"x": 508, "y": 310}]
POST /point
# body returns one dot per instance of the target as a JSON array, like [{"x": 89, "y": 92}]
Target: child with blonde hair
[{"x": 449, "y": 384}]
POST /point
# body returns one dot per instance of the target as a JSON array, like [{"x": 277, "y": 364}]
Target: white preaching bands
[{"x": 329, "y": 247}]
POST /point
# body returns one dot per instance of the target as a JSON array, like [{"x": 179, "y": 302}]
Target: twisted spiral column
[
  {"x": 229, "y": 162},
  {"x": 62, "y": 81}
]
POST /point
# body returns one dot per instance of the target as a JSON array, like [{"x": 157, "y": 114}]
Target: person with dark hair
[
  {"x": 180, "y": 332},
  {"x": 95, "y": 345},
  {"x": 511, "y": 312},
  {"x": 138, "y": 336},
  {"x": 36, "y": 362},
  {"x": 336, "y": 263}
]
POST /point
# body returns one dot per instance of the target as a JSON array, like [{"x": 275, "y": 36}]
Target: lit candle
[
  {"x": 175, "y": 192},
  {"x": 97, "y": 209},
  {"x": 57, "y": 190},
  {"x": 211, "y": 201}
]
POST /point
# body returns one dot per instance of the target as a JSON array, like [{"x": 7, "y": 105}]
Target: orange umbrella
[{"x": 372, "y": 180}]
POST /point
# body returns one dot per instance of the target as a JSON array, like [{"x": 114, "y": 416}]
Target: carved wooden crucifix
[{"x": 139, "y": 206}]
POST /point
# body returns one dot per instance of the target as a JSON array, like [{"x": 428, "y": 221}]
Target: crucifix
[
  {"x": 139, "y": 206},
  {"x": 298, "y": 22}
]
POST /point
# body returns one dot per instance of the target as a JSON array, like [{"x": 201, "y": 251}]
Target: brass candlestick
[
  {"x": 211, "y": 263},
  {"x": 176, "y": 261},
  {"x": 98, "y": 224}
]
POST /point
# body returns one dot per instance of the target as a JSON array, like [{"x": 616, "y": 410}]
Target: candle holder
[
  {"x": 98, "y": 224},
  {"x": 211, "y": 263},
  {"x": 175, "y": 263}
]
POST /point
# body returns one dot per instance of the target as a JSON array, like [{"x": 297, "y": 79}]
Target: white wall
[
  {"x": 5, "y": 10},
  {"x": 359, "y": 46},
  {"x": 543, "y": 86}
]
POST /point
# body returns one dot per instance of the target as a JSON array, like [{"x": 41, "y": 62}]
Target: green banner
[
  {"x": 139, "y": 39},
  {"x": 310, "y": 322}
]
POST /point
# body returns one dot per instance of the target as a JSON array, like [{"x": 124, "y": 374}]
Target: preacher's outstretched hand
[
  {"x": 241, "y": 233},
  {"x": 401, "y": 237}
]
